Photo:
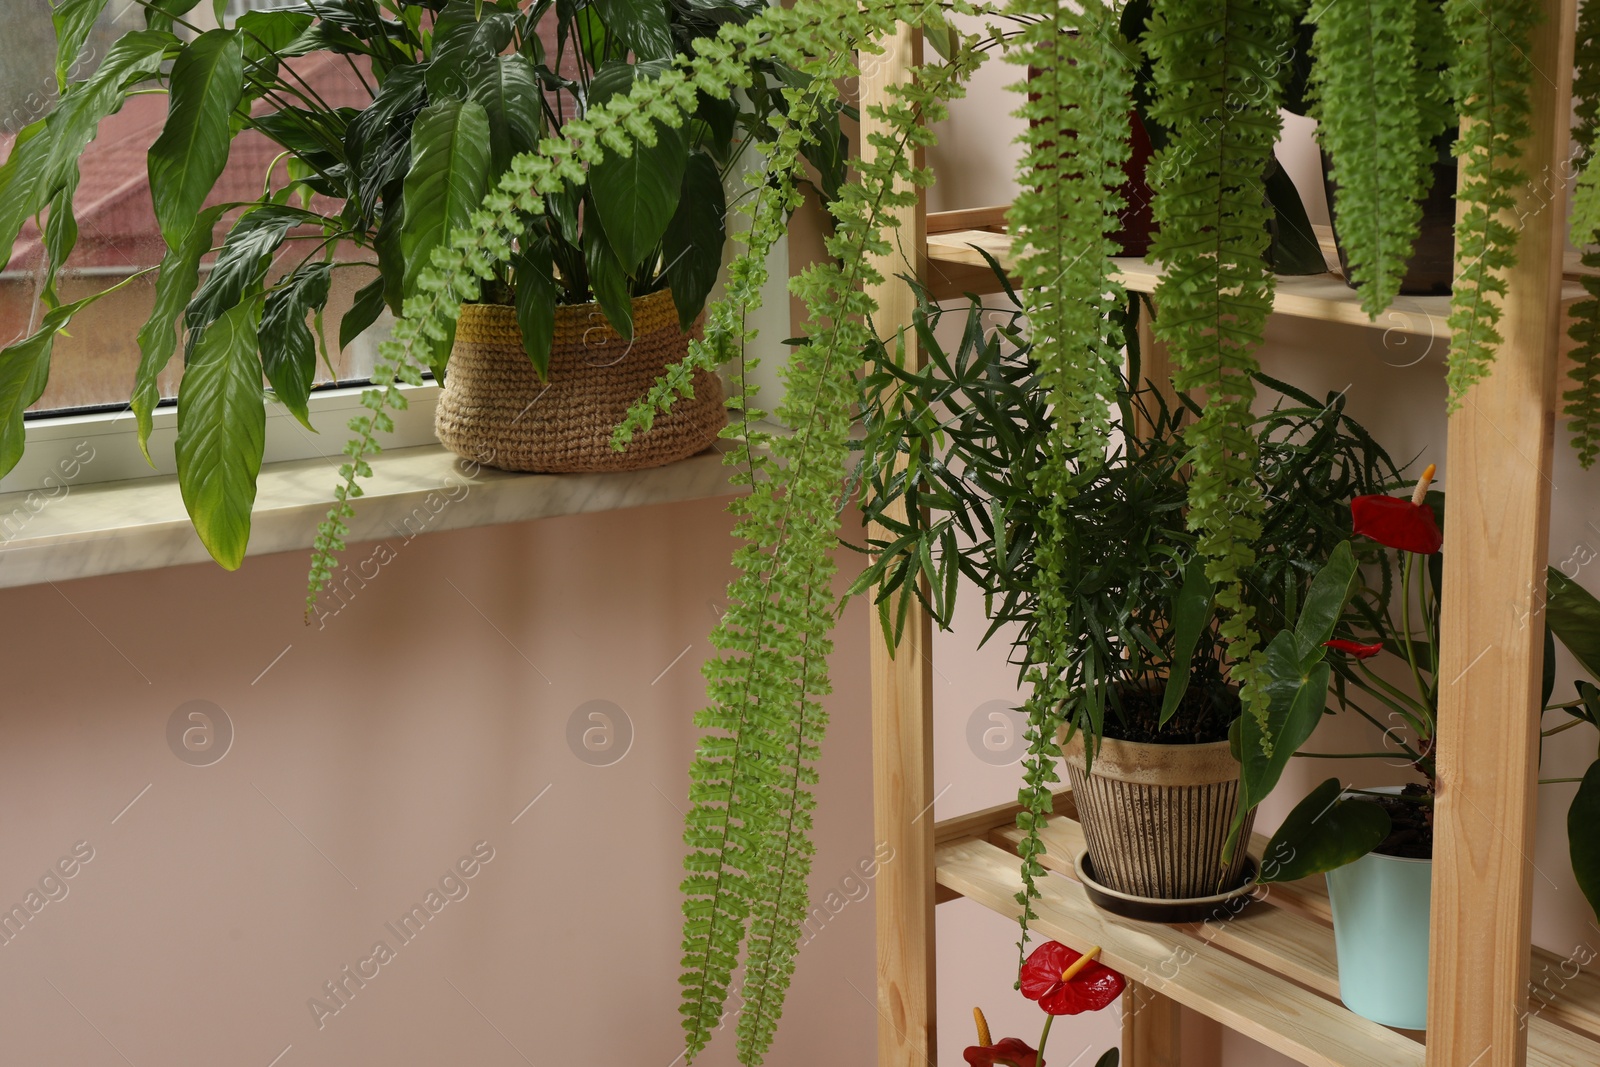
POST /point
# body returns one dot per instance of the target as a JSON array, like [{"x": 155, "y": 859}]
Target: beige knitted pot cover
[{"x": 495, "y": 410}]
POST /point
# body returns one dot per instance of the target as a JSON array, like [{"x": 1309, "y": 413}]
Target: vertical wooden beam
[
  {"x": 902, "y": 683},
  {"x": 1497, "y": 475},
  {"x": 1151, "y": 1028}
]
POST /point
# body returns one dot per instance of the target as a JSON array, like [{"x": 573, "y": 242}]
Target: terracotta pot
[
  {"x": 1433, "y": 258},
  {"x": 495, "y": 410},
  {"x": 1156, "y": 817}
]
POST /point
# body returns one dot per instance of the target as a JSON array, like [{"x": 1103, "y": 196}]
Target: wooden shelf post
[
  {"x": 1497, "y": 476},
  {"x": 902, "y": 693}
]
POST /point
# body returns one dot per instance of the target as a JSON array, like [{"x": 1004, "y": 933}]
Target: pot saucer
[{"x": 1224, "y": 905}]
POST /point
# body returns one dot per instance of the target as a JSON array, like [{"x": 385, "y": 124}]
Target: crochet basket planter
[{"x": 495, "y": 410}]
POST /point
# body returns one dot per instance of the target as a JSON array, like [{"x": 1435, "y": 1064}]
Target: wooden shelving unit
[{"x": 1269, "y": 972}]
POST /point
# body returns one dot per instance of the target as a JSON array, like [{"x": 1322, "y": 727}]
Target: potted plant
[
  {"x": 1376, "y": 845},
  {"x": 585, "y": 316},
  {"x": 1148, "y": 727},
  {"x": 1219, "y": 94}
]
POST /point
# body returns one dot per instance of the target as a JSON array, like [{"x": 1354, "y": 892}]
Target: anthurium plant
[
  {"x": 1399, "y": 622},
  {"x": 455, "y": 90},
  {"x": 1062, "y": 982}
]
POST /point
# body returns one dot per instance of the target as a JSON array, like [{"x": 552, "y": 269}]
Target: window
[{"x": 92, "y": 367}]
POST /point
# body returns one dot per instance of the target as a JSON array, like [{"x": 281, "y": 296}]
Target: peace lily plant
[
  {"x": 1218, "y": 80},
  {"x": 457, "y": 89}
]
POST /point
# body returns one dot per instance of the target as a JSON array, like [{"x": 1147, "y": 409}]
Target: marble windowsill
[{"x": 135, "y": 525}]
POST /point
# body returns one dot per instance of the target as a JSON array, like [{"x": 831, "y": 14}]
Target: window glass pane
[{"x": 94, "y": 365}]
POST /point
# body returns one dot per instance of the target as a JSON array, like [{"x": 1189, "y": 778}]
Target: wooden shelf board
[
  {"x": 1323, "y": 297},
  {"x": 1177, "y": 963},
  {"x": 1560, "y": 994},
  {"x": 1283, "y": 944}
]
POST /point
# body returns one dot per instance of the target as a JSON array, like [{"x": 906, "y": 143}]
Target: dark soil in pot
[
  {"x": 1412, "y": 836},
  {"x": 1203, "y": 716}
]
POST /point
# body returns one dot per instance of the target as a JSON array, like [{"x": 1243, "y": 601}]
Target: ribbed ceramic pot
[
  {"x": 1381, "y": 908},
  {"x": 1156, "y": 817}
]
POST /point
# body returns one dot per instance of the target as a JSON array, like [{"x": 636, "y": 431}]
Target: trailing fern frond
[
  {"x": 1381, "y": 104},
  {"x": 1489, "y": 80},
  {"x": 1583, "y": 399},
  {"x": 1219, "y": 67},
  {"x": 1064, "y": 215}
]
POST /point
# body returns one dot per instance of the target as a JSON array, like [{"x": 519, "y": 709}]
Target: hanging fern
[
  {"x": 1583, "y": 400},
  {"x": 1489, "y": 80},
  {"x": 748, "y": 827},
  {"x": 1064, "y": 215},
  {"x": 1378, "y": 93},
  {"x": 1219, "y": 65}
]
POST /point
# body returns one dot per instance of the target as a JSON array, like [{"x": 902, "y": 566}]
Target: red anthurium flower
[
  {"x": 1409, "y": 525},
  {"x": 1090, "y": 988},
  {"x": 1355, "y": 648},
  {"x": 1007, "y": 1052}
]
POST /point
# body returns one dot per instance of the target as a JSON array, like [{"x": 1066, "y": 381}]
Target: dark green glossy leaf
[
  {"x": 564, "y": 207},
  {"x": 1111, "y": 1058},
  {"x": 60, "y": 235},
  {"x": 364, "y": 311},
  {"x": 22, "y": 178},
  {"x": 464, "y": 42},
  {"x": 1323, "y": 832},
  {"x": 537, "y": 294},
  {"x": 641, "y": 26},
  {"x": 1191, "y": 612},
  {"x": 24, "y": 372},
  {"x": 190, "y": 154},
  {"x": 1324, "y": 603},
  {"x": 1574, "y": 614},
  {"x": 692, "y": 245},
  {"x": 288, "y": 349},
  {"x": 159, "y": 14},
  {"x": 608, "y": 281},
  {"x": 1294, "y": 248},
  {"x": 593, "y": 41},
  {"x": 637, "y": 194},
  {"x": 447, "y": 181},
  {"x": 509, "y": 91},
  {"x": 1583, "y": 836},
  {"x": 222, "y": 423},
  {"x": 1297, "y": 677},
  {"x": 268, "y": 32},
  {"x": 45, "y": 153},
  {"x": 241, "y": 266},
  {"x": 175, "y": 286},
  {"x": 73, "y": 20}
]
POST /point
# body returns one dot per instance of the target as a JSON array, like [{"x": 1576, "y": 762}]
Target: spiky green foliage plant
[
  {"x": 1064, "y": 215},
  {"x": 1582, "y": 401},
  {"x": 1489, "y": 79},
  {"x": 1378, "y": 93},
  {"x": 1219, "y": 69}
]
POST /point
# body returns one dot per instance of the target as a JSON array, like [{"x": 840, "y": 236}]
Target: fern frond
[
  {"x": 1370, "y": 84},
  {"x": 1080, "y": 91},
  {"x": 1219, "y": 66},
  {"x": 1489, "y": 80},
  {"x": 1582, "y": 401}
]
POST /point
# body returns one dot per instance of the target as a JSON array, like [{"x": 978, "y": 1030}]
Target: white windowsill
[{"x": 117, "y": 526}]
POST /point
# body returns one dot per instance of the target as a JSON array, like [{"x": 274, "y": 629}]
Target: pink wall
[{"x": 367, "y": 760}]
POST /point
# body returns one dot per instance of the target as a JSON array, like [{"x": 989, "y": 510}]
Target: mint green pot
[{"x": 1381, "y": 906}]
